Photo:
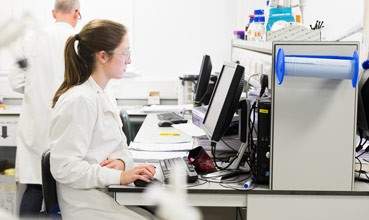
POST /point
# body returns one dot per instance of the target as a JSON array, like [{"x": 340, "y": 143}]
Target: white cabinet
[
  {"x": 8, "y": 187},
  {"x": 311, "y": 118},
  {"x": 305, "y": 207}
]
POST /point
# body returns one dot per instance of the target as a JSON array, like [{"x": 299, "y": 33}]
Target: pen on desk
[
  {"x": 170, "y": 134},
  {"x": 248, "y": 182}
]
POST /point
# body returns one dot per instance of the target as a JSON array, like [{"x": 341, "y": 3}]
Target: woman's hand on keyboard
[{"x": 137, "y": 172}]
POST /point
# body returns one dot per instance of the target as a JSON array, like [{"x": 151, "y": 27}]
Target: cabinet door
[
  {"x": 305, "y": 207},
  {"x": 8, "y": 130}
]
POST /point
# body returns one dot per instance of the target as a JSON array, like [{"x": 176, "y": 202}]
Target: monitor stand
[{"x": 233, "y": 169}]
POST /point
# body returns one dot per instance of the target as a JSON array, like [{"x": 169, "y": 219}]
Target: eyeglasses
[
  {"x": 124, "y": 53},
  {"x": 79, "y": 14}
]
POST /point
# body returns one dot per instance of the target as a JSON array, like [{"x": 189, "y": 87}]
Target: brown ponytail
[{"x": 97, "y": 35}]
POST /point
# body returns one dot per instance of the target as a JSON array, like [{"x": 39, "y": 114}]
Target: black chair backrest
[
  {"x": 48, "y": 183},
  {"x": 126, "y": 125}
]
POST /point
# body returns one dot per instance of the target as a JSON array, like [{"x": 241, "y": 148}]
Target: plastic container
[
  {"x": 279, "y": 14},
  {"x": 298, "y": 19},
  {"x": 259, "y": 12},
  {"x": 251, "y": 20},
  {"x": 252, "y": 29},
  {"x": 239, "y": 34},
  {"x": 266, "y": 12},
  {"x": 260, "y": 29}
]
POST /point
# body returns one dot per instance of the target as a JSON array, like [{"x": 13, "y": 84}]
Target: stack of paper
[
  {"x": 160, "y": 147},
  {"x": 190, "y": 129}
]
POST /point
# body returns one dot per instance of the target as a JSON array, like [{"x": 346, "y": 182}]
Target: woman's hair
[{"x": 97, "y": 35}]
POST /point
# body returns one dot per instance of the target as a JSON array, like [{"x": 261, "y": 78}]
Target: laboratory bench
[{"x": 260, "y": 202}]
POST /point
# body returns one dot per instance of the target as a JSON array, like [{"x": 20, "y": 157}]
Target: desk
[
  {"x": 206, "y": 195},
  {"x": 150, "y": 132},
  {"x": 261, "y": 202}
]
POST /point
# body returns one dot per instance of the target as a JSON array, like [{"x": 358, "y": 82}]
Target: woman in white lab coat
[{"x": 88, "y": 147}]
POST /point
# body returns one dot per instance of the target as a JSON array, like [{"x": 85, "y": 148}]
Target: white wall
[
  {"x": 168, "y": 37},
  {"x": 171, "y": 36}
]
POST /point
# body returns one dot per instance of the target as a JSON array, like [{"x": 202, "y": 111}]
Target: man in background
[{"x": 38, "y": 81}]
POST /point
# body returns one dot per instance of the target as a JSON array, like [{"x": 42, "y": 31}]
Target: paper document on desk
[
  {"x": 155, "y": 156},
  {"x": 166, "y": 108},
  {"x": 160, "y": 147},
  {"x": 167, "y": 139},
  {"x": 190, "y": 129}
]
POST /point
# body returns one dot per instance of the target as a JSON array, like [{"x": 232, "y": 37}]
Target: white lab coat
[
  {"x": 86, "y": 130},
  {"x": 44, "y": 50}
]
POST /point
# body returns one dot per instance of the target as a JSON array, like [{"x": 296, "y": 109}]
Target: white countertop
[{"x": 11, "y": 110}]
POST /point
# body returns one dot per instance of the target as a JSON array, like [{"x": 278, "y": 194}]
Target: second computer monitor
[
  {"x": 363, "y": 106},
  {"x": 203, "y": 80},
  {"x": 224, "y": 101}
]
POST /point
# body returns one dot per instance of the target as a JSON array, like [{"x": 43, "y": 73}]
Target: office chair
[
  {"x": 126, "y": 125},
  {"x": 48, "y": 185}
]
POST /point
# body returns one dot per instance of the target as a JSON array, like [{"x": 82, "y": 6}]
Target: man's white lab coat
[
  {"x": 44, "y": 50},
  {"x": 86, "y": 130}
]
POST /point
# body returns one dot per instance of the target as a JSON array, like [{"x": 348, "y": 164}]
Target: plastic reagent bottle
[
  {"x": 260, "y": 30},
  {"x": 251, "y": 20}
]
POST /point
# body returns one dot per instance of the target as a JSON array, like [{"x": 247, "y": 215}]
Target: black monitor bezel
[
  {"x": 203, "y": 79},
  {"x": 228, "y": 108},
  {"x": 363, "y": 105}
]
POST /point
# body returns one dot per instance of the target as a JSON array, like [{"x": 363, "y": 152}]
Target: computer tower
[{"x": 263, "y": 142}]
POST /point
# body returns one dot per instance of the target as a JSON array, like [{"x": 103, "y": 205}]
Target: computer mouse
[
  {"x": 142, "y": 183},
  {"x": 164, "y": 123}
]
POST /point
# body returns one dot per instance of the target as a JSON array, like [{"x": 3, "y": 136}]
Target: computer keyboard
[
  {"x": 172, "y": 117},
  {"x": 168, "y": 164}
]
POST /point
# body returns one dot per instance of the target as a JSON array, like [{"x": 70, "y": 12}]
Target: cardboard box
[{"x": 154, "y": 98}]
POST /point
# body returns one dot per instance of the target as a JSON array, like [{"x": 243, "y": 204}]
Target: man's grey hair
[{"x": 66, "y": 6}]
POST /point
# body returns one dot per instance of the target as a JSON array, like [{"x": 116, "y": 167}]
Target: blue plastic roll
[{"x": 331, "y": 67}]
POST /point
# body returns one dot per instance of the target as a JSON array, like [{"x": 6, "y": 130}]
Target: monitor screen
[
  {"x": 203, "y": 80},
  {"x": 363, "y": 106},
  {"x": 224, "y": 101}
]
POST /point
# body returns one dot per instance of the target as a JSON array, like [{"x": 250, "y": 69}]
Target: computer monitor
[
  {"x": 203, "y": 80},
  {"x": 224, "y": 101},
  {"x": 363, "y": 106}
]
